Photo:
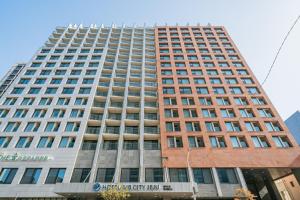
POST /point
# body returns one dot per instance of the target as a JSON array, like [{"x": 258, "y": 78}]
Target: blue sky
[{"x": 257, "y": 27}]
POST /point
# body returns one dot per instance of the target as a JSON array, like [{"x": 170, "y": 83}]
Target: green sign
[{"x": 21, "y": 157}]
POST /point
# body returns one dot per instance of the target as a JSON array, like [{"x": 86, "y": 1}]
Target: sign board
[
  {"x": 138, "y": 187},
  {"x": 4, "y": 157}
]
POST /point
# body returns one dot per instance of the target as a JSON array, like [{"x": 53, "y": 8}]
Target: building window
[
  {"x": 63, "y": 101},
  {"x": 80, "y": 175},
  {"x": 32, "y": 127},
  {"x": 185, "y": 90},
  {"x": 171, "y": 113},
  {"x": 39, "y": 113},
  {"x": 238, "y": 142},
  {"x": 258, "y": 101},
  {"x": 72, "y": 126},
  {"x": 252, "y": 126},
  {"x": 173, "y": 126},
  {"x": 190, "y": 113},
  {"x": 213, "y": 126},
  {"x": 129, "y": 175},
  {"x": 202, "y": 176},
  {"x": 154, "y": 175},
  {"x": 170, "y": 101},
  {"x": 58, "y": 113},
  {"x": 240, "y": 101},
  {"x": 247, "y": 113},
  {"x": 151, "y": 145},
  {"x": 4, "y": 142},
  {"x": 45, "y": 142},
  {"x": 199, "y": 81},
  {"x": 51, "y": 91},
  {"x": 209, "y": 113},
  {"x": 273, "y": 126},
  {"x": 20, "y": 113},
  {"x": 281, "y": 141},
  {"x": 110, "y": 144},
  {"x": 168, "y": 91},
  {"x": 217, "y": 142},
  {"x": 227, "y": 175},
  {"x": 178, "y": 175},
  {"x": 205, "y": 101},
  {"x": 192, "y": 126},
  {"x": 260, "y": 141},
  {"x": 219, "y": 90},
  {"x": 7, "y": 175},
  {"x": 17, "y": 90},
  {"x": 66, "y": 142},
  {"x": 80, "y": 101},
  {"x": 52, "y": 127},
  {"x": 130, "y": 145},
  {"x": 174, "y": 142},
  {"x": 45, "y": 101},
  {"x": 196, "y": 142},
  {"x": 31, "y": 176},
  {"x": 12, "y": 126},
  {"x": 105, "y": 175},
  {"x": 24, "y": 142},
  {"x": 187, "y": 101},
  {"x": 202, "y": 90},
  {"x": 27, "y": 101},
  {"x": 227, "y": 113},
  {"x": 55, "y": 175},
  {"x": 265, "y": 112},
  {"x": 233, "y": 126}
]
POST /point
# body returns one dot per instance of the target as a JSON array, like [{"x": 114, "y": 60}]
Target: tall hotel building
[{"x": 169, "y": 112}]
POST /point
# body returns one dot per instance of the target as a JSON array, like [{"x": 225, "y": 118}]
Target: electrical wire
[{"x": 285, "y": 38}]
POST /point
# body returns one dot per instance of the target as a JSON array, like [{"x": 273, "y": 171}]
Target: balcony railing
[
  {"x": 113, "y": 130},
  {"x": 150, "y": 93},
  {"x": 150, "y": 116},
  {"x": 94, "y": 116},
  {"x": 93, "y": 129},
  {"x": 151, "y": 129}
]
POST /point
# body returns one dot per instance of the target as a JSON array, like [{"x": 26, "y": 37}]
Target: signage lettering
[{"x": 21, "y": 157}]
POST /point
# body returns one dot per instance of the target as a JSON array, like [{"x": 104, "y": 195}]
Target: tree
[
  {"x": 243, "y": 194},
  {"x": 117, "y": 192}
]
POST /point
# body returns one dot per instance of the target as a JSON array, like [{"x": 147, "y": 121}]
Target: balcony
[
  {"x": 118, "y": 93},
  {"x": 95, "y": 116},
  {"x": 116, "y": 104},
  {"x": 136, "y": 94},
  {"x": 133, "y": 116},
  {"x": 150, "y": 84},
  {"x": 150, "y": 116},
  {"x": 135, "y": 84},
  {"x": 93, "y": 130},
  {"x": 150, "y": 104},
  {"x": 150, "y": 93},
  {"x": 112, "y": 129},
  {"x": 114, "y": 116},
  {"x": 132, "y": 130},
  {"x": 100, "y": 93},
  {"x": 151, "y": 130},
  {"x": 133, "y": 104},
  {"x": 104, "y": 84},
  {"x": 119, "y": 84},
  {"x": 99, "y": 104}
]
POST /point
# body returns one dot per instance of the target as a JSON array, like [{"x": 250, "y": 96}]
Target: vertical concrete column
[
  {"x": 241, "y": 178},
  {"x": 217, "y": 182},
  {"x": 166, "y": 175}
]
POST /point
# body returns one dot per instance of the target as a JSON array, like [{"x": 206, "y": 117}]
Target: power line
[{"x": 285, "y": 38}]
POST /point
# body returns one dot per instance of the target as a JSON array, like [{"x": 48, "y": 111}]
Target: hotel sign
[
  {"x": 22, "y": 157},
  {"x": 98, "y": 187}
]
